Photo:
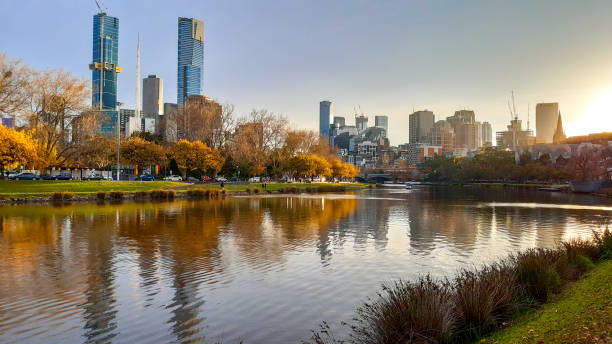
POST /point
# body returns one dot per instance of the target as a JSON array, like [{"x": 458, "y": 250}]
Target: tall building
[
  {"x": 515, "y": 136},
  {"x": 190, "y": 68},
  {"x": 104, "y": 69},
  {"x": 420, "y": 124},
  {"x": 339, "y": 121},
  {"x": 466, "y": 130},
  {"x": 152, "y": 95},
  {"x": 559, "y": 136},
  {"x": 326, "y": 112},
  {"x": 382, "y": 122},
  {"x": 546, "y": 121},
  {"x": 487, "y": 134},
  {"x": 361, "y": 122},
  {"x": 442, "y": 134}
]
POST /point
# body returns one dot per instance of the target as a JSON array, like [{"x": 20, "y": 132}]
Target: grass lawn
[
  {"x": 581, "y": 314},
  {"x": 41, "y": 188}
]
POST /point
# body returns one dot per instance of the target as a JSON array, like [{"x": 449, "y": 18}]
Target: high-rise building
[
  {"x": 420, "y": 124},
  {"x": 339, "y": 121},
  {"x": 515, "y": 136},
  {"x": 104, "y": 69},
  {"x": 152, "y": 95},
  {"x": 326, "y": 112},
  {"x": 190, "y": 69},
  {"x": 442, "y": 134},
  {"x": 466, "y": 130},
  {"x": 361, "y": 122},
  {"x": 546, "y": 121},
  {"x": 487, "y": 134},
  {"x": 382, "y": 122}
]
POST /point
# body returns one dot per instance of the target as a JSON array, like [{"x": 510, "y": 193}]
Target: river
[{"x": 264, "y": 269}]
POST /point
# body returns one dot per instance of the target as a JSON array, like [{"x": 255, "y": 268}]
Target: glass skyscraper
[
  {"x": 190, "y": 58},
  {"x": 104, "y": 68}
]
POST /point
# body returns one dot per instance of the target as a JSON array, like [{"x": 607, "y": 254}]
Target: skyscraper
[
  {"x": 546, "y": 121},
  {"x": 361, "y": 122},
  {"x": 190, "y": 68},
  {"x": 152, "y": 95},
  {"x": 487, "y": 134},
  {"x": 104, "y": 68},
  {"x": 326, "y": 112},
  {"x": 381, "y": 122},
  {"x": 420, "y": 124}
]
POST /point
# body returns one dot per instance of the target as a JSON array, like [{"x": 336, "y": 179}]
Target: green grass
[
  {"x": 42, "y": 188},
  {"x": 581, "y": 314}
]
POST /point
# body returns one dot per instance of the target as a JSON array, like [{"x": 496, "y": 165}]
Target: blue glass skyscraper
[
  {"x": 104, "y": 68},
  {"x": 190, "y": 58}
]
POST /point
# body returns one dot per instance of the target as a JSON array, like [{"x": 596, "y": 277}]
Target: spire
[{"x": 559, "y": 135}]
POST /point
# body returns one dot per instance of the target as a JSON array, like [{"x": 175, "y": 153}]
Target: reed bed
[{"x": 472, "y": 304}]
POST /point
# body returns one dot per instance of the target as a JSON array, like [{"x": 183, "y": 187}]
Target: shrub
[
  {"x": 406, "y": 312},
  {"x": 256, "y": 190},
  {"x": 116, "y": 195},
  {"x": 212, "y": 193},
  {"x": 576, "y": 247},
  {"x": 162, "y": 194},
  {"x": 248, "y": 190},
  {"x": 170, "y": 194},
  {"x": 604, "y": 243},
  {"x": 196, "y": 193},
  {"x": 62, "y": 196},
  {"x": 584, "y": 263},
  {"x": 56, "y": 196},
  {"x": 535, "y": 271},
  {"x": 67, "y": 195},
  {"x": 484, "y": 298},
  {"x": 101, "y": 195},
  {"x": 142, "y": 194}
]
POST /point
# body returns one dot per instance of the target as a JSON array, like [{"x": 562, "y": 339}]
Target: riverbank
[
  {"x": 17, "y": 192},
  {"x": 580, "y": 314},
  {"x": 534, "y": 290}
]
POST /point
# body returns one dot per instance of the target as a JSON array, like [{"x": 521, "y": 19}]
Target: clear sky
[{"x": 389, "y": 57}]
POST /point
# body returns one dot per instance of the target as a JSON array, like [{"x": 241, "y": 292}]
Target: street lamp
[{"x": 119, "y": 105}]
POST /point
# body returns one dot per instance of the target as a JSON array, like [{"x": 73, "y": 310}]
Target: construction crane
[{"x": 100, "y": 5}]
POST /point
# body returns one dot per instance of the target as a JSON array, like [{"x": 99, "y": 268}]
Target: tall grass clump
[
  {"x": 141, "y": 194},
  {"x": 101, "y": 195},
  {"x": 406, "y": 312},
  {"x": 62, "y": 196},
  {"x": 604, "y": 244},
  {"x": 116, "y": 195},
  {"x": 196, "y": 193},
  {"x": 256, "y": 190},
  {"x": 536, "y": 271}
]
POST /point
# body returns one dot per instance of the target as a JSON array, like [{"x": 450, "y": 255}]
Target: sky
[{"x": 383, "y": 57}]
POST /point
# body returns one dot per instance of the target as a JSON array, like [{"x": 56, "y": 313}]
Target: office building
[
  {"x": 361, "y": 122},
  {"x": 104, "y": 69},
  {"x": 420, "y": 124},
  {"x": 487, "y": 134},
  {"x": 418, "y": 153},
  {"x": 152, "y": 96},
  {"x": 443, "y": 135},
  {"x": 515, "y": 137},
  {"x": 339, "y": 122},
  {"x": 546, "y": 121},
  {"x": 190, "y": 70},
  {"x": 326, "y": 112},
  {"x": 382, "y": 122}
]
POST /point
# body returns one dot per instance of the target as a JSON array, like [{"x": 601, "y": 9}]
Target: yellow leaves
[
  {"x": 142, "y": 153},
  {"x": 196, "y": 155},
  {"x": 17, "y": 148}
]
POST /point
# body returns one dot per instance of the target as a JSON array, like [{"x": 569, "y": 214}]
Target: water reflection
[{"x": 195, "y": 271}]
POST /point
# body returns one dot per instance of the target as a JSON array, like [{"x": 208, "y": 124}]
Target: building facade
[
  {"x": 104, "y": 69},
  {"x": 487, "y": 134},
  {"x": 546, "y": 121},
  {"x": 152, "y": 96},
  {"x": 190, "y": 69},
  {"x": 442, "y": 134},
  {"x": 326, "y": 112},
  {"x": 515, "y": 136},
  {"x": 420, "y": 124},
  {"x": 361, "y": 122},
  {"x": 382, "y": 122}
]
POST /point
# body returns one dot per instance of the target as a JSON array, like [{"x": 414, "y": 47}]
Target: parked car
[
  {"x": 147, "y": 178},
  {"x": 192, "y": 179},
  {"x": 221, "y": 179},
  {"x": 173, "y": 178},
  {"x": 205, "y": 179},
  {"x": 11, "y": 175},
  {"x": 27, "y": 176},
  {"x": 94, "y": 177},
  {"x": 255, "y": 179},
  {"x": 64, "y": 176},
  {"x": 46, "y": 176}
]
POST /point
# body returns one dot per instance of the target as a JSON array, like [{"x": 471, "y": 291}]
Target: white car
[
  {"x": 255, "y": 179},
  {"x": 173, "y": 178}
]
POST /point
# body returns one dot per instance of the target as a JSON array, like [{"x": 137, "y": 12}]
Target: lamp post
[{"x": 119, "y": 105}]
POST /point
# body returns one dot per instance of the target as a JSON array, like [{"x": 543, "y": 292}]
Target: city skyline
[{"x": 288, "y": 81}]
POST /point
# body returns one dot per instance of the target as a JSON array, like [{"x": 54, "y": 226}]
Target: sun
[{"x": 596, "y": 118}]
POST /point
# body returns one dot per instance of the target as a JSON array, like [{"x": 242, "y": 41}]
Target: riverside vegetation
[{"x": 475, "y": 302}]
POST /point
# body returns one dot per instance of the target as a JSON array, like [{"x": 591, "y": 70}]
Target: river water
[{"x": 262, "y": 269}]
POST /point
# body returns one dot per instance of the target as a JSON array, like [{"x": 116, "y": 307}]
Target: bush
[
  {"x": 62, "y": 196},
  {"x": 604, "y": 243},
  {"x": 56, "y": 196},
  {"x": 116, "y": 195},
  {"x": 196, "y": 193},
  {"x": 212, "y": 193},
  {"x": 101, "y": 195},
  {"x": 67, "y": 195},
  {"x": 256, "y": 190},
  {"x": 584, "y": 263},
  {"x": 170, "y": 194},
  {"x": 248, "y": 190},
  {"x": 535, "y": 271},
  {"x": 484, "y": 299},
  {"x": 407, "y": 312},
  {"x": 142, "y": 194}
]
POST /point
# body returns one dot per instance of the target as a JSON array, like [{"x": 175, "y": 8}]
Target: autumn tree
[
  {"x": 191, "y": 156},
  {"x": 340, "y": 169},
  {"x": 203, "y": 119},
  {"x": 58, "y": 103},
  {"x": 97, "y": 151},
  {"x": 587, "y": 164},
  {"x": 14, "y": 80},
  {"x": 309, "y": 165},
  {"x": 142, "y": 153},
  {"x": 17, "y": 148}
]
